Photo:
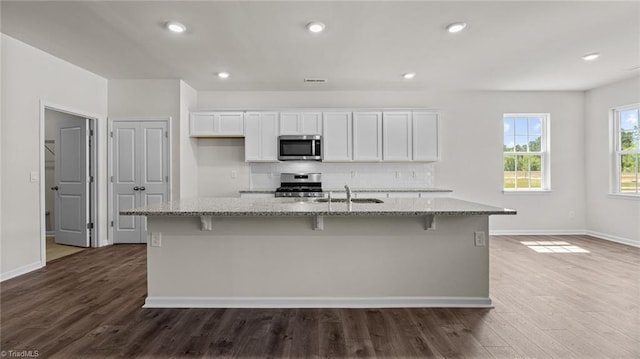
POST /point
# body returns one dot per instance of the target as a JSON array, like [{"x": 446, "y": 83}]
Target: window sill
[
  {"x": 632, "y": 197},
  {"x": 527, "y": 192}
]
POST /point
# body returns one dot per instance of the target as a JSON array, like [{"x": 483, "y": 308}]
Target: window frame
[
  {"x": 616, "y": 152},
  {"x": 544, "y": 153}
]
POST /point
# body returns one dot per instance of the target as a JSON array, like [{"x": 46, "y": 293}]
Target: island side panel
[{"x": 283, "y": 257}]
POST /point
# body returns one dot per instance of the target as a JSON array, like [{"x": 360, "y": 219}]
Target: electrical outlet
[
  {"x": 398, "y": 174},
  {"x": 572, "y": 214},
  {"x": 234, "y": 174},
  {"x": 354, "y": 174},
  {"x": 480, "y": 239},
  {"x": 156, "y": 239}
]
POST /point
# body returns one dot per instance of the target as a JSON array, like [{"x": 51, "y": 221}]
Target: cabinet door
[
  {"x": 367, "y": 136},
  {"x": 425, "y": 136},
  {"x": 252, "y": 137},
  {"x": 269, "y": 136},
  {"x": 290, "y": 123},
  {"x": 261, "y": 136},
  {"x": 337, "y": 138},
  {"x": 396, "y": 136},
  {"x": 311, "y": 123},
  {"x": 229, "y": 124},
  {"x": 202, "y": 124},
  {"x": 301, "y": 123}
]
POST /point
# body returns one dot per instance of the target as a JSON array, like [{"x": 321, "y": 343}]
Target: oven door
[{"x": 292, "y": 148}]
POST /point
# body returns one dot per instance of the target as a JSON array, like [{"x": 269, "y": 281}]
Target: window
[
  {"x": 526, "y": 154},
  {"x": 626, "y": 150}
]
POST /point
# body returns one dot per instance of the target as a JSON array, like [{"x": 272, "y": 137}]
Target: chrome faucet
[{"x": 349, "y": 193}]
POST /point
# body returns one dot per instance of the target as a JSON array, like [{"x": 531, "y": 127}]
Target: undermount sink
[{"x": 353, "y": 200}]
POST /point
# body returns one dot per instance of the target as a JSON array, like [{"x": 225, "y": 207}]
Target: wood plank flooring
[{"x": 547, "y": 305}]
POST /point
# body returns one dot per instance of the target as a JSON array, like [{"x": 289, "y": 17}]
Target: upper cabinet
[
  {"x": 261, "y": 137},
  {"x": 300, "y": 123},
  {"x": 337, "y": 137},
  {"x": 426, "y": 142},
  {"x": 217, "y": 124},
  {"x": 396, "y": 136},
  {"x": 367, "y": 136}
]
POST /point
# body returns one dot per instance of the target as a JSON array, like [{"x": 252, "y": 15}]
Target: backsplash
[{"x": 357, "y": 175}]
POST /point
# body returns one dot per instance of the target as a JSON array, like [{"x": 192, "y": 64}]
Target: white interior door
[
  {"x": 153, "y": 176},
  {"x": 126, "y": 229},
  {"x": 140, "y": 171},
  {"x": 71, "y": 200}
]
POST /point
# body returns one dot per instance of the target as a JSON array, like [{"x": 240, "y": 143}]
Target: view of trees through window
[
  {"x": 628, "y": 150},
  {"x": 523, "y": 152}
]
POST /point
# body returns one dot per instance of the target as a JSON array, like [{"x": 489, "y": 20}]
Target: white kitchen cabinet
[
  {"x": 261, "y": 137},
  {"x": 216, "y": 124},
  {"x": 367, "y": 136},
  {"x": 300, "y": 123},
  {"x": 426, "y": 146},
  {"x": 396, "y": 136},
  {"x": 337, "y": 137}
]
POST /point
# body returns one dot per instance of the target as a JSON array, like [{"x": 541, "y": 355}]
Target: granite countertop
[
  {"x": 356, "y": 189},
  {"x": 254, "y": 207}
]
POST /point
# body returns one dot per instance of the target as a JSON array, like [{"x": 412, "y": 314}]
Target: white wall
[
  {"x": 472, "y": 133},
  {"x": 28, "y": 77},
  {"x": 150, "y": 98},
  {"x": 608, "y": 216},
  {"x": 188, "y": 145},
  {"x": 217, "y": 159}
]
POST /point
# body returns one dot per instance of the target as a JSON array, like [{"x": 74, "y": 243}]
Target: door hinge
[
  {"x": 90, "y": 132},
  {"x": 111, "y": 223},
  {"x": 166, "y": 134},
  {"x": 166, "y": 178},
  {"x": 111, "y": 178},
  {"x": 111, "y": 134},
  {"x": 91, "y": 179},
  {"x": 90, "y": 225}
]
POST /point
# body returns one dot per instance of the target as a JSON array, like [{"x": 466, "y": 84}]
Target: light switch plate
[
  {"x": 480, "y": 239},
  {"x": 156, "y": 239},
  {"x": 33, "y": 176}
]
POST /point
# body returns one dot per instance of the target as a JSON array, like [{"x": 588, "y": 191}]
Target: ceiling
[{"x": 264, "y": 45}]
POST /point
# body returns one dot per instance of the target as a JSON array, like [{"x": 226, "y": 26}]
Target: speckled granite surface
[
  {"x": 254, "y": 207},
  {"x": 360, "y": 190}
]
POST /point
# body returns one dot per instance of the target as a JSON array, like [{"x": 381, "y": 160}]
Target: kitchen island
[{"x": 284, "y": 252}]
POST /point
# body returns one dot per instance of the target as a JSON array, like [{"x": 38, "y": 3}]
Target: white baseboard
[
  {"x": 320, "y": 302},
  {"x": 20, "y": 271},
  {"x": 536, "y": 232},
  {"x": 612, "y": 238},
  {"x": 51, "y": 233}
]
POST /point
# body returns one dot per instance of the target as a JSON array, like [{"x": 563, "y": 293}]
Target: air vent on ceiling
[
  {"x": 315, "y": 81},
  {"x": 635, "y": 68}
]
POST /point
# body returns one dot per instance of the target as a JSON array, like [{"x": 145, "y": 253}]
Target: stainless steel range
[{"x": 300, "y": 185}]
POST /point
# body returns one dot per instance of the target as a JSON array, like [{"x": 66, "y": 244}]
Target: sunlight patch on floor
[{"x": 553, "y": 247}]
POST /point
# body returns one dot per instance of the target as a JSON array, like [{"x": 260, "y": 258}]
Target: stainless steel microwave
[{"x": 300, "y": 148}]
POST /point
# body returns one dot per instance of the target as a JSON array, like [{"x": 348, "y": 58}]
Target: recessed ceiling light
[
  {"x": 456, "y": 27},
  {"x": 176, "y": 27},
  {"x": 591, "y": 57},
  {"x": 223, "y": 75},
  {"x": 409, "y": 75},
  {"x": 315, "y": 27}
]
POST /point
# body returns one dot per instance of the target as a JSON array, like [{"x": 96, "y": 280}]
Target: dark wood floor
[{"x": 560, "y": 305}]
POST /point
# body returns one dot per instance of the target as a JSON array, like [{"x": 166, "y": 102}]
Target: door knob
[
  {"x": 54, "y": 188},
  {"x": 142, "y": 188},
  {"x": 136, "y": 188}
]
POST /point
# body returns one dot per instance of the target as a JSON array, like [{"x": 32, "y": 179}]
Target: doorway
[{"x": 69, "y": 188}]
